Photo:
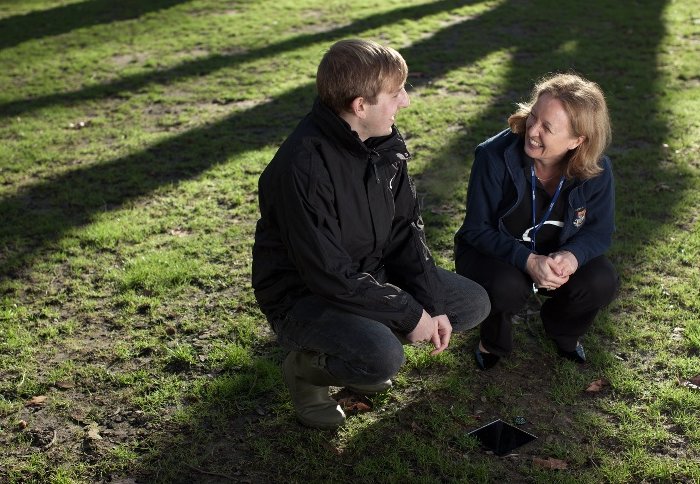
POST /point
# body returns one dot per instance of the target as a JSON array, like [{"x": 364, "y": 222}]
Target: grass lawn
[{"x": 132, "y": 135}]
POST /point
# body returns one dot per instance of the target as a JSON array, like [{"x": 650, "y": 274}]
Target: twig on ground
[
  {"x": 209, "y": 473},
  {"x": 252, "y": 385},
  {"x": 53, "y": 440}
]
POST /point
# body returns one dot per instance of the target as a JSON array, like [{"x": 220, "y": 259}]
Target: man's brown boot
[{"x": 307, "y": 378}]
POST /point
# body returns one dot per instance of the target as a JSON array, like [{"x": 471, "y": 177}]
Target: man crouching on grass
[{"x": 341, "y": 268}]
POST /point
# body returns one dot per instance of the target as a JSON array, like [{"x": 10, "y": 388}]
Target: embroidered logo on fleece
[{"x": 580, "y": 217}]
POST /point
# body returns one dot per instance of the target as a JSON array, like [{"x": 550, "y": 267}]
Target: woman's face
[{"x": 548, "y": 134}]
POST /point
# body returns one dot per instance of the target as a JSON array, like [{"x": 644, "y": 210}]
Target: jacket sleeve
[
  {"x": 594, "y": 236},
  {"x": 484, "y": 197},
  {"x": 407, "y": 259},
  {"x": 310, "y": 229}
]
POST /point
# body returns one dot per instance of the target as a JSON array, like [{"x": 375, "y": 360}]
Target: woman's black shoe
[
  {"x": 577, "y": 356},
  {"x": 485, "y": 360}
]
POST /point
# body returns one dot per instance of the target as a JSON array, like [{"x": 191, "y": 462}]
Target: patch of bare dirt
[{"x": 137, "y": 58}]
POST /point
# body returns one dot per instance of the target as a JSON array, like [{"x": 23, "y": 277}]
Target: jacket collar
[
  {"x": 514, "y": 156},
  {"x": 337, "y": 129}
]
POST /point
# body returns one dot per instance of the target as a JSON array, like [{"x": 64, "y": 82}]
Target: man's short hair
[{"x": 358, "y": 68}]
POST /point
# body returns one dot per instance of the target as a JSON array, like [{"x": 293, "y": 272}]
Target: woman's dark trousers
[{"x": 567, "y": 313}]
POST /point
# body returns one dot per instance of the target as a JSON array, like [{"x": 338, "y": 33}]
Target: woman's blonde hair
[
  {"x": 358, "y": 68},
  {"x": 585, "y": 105}
]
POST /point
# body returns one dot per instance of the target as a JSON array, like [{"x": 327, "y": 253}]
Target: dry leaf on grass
[
  {"x": 93, "y": 432},
  {"x": 64, "y": 385},
  {"x": 37, "y": 401},
  {"x": 597, "y": 385},
  {"x": 79, "y": 125},
  {"x": 549, "y": 463},
  {"x": 693, "y": 383},
  {"x": 352, "y": 404}
]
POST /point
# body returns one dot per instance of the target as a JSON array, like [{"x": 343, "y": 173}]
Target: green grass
[{"x": 132, "y": 135}]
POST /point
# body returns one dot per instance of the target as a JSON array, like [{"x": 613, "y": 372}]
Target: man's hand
[
  {"x": 437, "y": 330},
  {"x": 424, "y": 330},
  {"x": 545, "y": 272},
  {"x": 444, "y": 331}
]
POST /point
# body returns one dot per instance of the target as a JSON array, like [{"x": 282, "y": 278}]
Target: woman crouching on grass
[{"x": 540, "y": 216}]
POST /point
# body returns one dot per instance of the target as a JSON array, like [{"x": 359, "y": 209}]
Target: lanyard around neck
[{"x": 536, "y": 226}]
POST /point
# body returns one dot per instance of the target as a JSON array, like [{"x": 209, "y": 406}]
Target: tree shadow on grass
[
  {"x": 625, "y": 42},
  {"x": 255, "y": 448},
  {"x": 60, "y": 20},
  {"x": 210, "y": 64},
  {"x": 40, "y": 214},
  {"x": 625, "y": 67},
  {"x": 417, "y": 431}
]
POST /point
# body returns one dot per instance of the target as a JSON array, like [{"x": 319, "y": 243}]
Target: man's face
[{"x": 380, "y": 117}]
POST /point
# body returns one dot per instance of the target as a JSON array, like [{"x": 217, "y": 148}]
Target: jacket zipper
[{"x": 374, "y": 165}]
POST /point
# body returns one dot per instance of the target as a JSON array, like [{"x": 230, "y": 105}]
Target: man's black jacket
[{"x": 340, "y": 219}]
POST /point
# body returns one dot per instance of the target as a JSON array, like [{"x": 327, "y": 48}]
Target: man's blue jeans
[{"x": 362, "y": 351}]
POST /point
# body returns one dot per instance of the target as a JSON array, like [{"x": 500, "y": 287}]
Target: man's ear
[{"x": 358, "y": 107}]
